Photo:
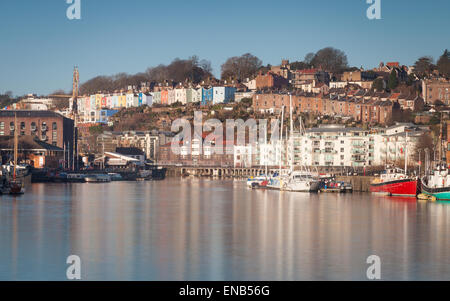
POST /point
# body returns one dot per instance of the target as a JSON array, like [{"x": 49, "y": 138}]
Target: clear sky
[{"x": 39, "y": 46}]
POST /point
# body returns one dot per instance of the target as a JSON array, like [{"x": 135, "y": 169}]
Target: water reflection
[{"x": 196, "y": 229}]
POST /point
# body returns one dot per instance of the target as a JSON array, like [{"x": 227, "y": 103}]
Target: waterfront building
[
  {"x": 271, "y": 154},
  {"x": 335, "y": 146},
  {"x": 46, "y": 126},
  {"x": 132, "y": 152},
  {"x": 33, "y": 151}
]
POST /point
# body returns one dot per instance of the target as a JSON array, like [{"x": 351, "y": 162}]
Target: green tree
[
  {"x": 393, "y": 80},
  {"x": 378, "y": 85},
  {"x": 424, "y": 66},
  {"x": 443, "y": 64}
]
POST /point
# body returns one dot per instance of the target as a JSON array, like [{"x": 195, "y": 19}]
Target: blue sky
[{"x": 39, "y": 46}]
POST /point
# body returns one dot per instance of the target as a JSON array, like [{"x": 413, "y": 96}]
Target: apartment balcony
[
  {"x": 359, "y": 159},
  {"x": 333, "y": 152},
  {"x": 358, "y": 152},
  {"x": 359, "y": 145}
]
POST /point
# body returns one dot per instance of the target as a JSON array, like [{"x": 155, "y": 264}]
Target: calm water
[{"x": 194, "y": 229}]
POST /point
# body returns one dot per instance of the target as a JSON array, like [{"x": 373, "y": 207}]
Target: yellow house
[
  {"x": 98, "y": 100},
  {"x": 122, "y": 101}
]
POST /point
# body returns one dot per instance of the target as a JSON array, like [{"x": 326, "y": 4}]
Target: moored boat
[
  {"x": 257, "y": 181},
  {"x": 100, "y": 178},
  {"x": 394, "y": 182},
  {"x": 331, "y": 185},
  {"x": 115, "y": 176},
  {"x": 437, "y": 184},
  {"x": 15, "y": 186}
]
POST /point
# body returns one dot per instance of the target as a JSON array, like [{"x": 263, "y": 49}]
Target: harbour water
[{"x": 201, "y": 229}]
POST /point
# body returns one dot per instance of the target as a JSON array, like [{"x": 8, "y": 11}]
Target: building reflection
[{"x": 199, "y": 229}]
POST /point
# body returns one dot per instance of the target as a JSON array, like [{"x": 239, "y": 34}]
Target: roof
[
  {"x": 332, "y": 129},
  {"x": 129, "y": 151},
  {"x": 29, "y": 113}
]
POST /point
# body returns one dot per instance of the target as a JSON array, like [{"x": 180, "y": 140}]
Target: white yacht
[{"x": 302, "y": 181}]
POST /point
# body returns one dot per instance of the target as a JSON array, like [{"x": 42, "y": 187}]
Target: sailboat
[
  {"x": 15, "y": 186},
  {"x": 298, "y": 181}
]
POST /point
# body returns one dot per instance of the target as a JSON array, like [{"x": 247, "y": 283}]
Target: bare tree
[
  {"x": 309, "y": 58},
  {"x": 330, "y": 59},
  {"x": 241, "y": 67}
]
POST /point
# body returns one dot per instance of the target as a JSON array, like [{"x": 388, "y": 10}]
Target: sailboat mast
[
  {"x": 291, "y": 135},
  {"x": 265, "y": 151},
  {"x": 281, "y": 138},
  {"x": 406, "y": 153},
  {"x": 16, "y": 144}
]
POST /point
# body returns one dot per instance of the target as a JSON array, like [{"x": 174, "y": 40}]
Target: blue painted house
[{"x": 207, "y": 96}]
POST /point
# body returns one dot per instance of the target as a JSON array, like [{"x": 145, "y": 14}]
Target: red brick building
[
  {"x": 47, "y": 126},
  {"x": 270, "y": 81},
  {"x": 370, "y": 108}
]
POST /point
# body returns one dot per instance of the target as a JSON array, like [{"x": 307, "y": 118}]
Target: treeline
[
  {"x": 191, "y": 69},
  {"x": 7, "y": 99},
  {"x": 425, "y": 65},
  {"x": 240, "y": 68}
]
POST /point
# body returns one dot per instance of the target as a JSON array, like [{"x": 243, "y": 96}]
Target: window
[{"x": 54, "y": 126}]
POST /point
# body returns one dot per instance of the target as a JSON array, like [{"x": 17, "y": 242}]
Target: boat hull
[
  {"x": 441, "y": 194},
  {"x": 404, "y": 187}
]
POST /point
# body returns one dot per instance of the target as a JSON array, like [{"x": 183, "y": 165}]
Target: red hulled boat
[{"x": 394, "y": 182}]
